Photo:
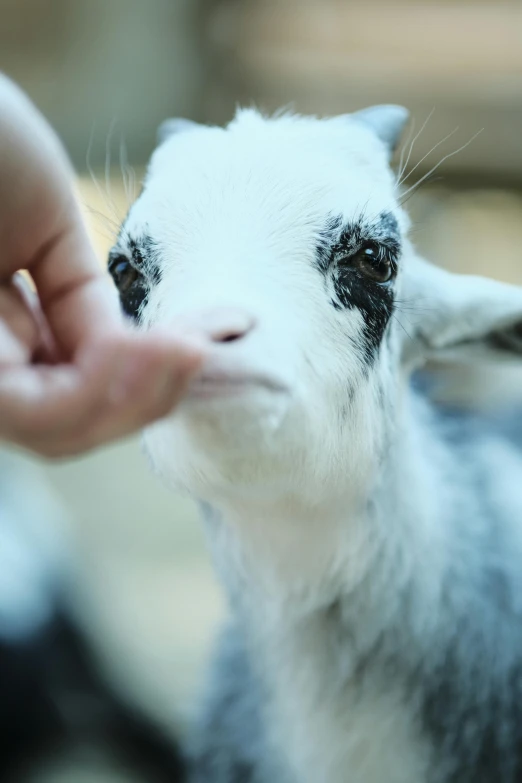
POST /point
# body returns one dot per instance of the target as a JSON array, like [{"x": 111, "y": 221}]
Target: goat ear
[
  {"x": 387, "y": 121},
  {"x": 459, "y": 317},
  {"x": 174, "y": 126}
]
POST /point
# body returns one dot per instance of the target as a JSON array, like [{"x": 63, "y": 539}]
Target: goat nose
[
  {"x": 219, "y": 324},
  {"x": 228, "y": 325}
]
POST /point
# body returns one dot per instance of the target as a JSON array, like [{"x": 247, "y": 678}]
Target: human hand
[{"x": 73, "y": 375}]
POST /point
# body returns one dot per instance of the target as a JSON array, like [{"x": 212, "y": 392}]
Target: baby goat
[{"x": 370, "y": 546}]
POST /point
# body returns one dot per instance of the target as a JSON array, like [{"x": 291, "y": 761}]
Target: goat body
[{"x": 369, "y": 545}]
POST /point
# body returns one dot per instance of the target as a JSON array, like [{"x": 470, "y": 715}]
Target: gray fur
[{"x": 387, "y": 122}]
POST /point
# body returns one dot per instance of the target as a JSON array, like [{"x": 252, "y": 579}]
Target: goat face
[{"x": 281, "y": 242}]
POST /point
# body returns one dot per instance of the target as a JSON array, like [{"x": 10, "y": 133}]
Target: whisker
[
  {"x": 395, "y": 318},
  {"x": 417, "y": 186},
  {"x": 124, "y": 167},
  {"x": 448, "y": 136},
  {"x": 362, "y": 211},
  {"x": 132, "y": 183},
  {"x": 449, "y": 155},
  {"x": 128, "y": 174},
  {"x": 407, "y": 140},
  {"x": 90, "y": 169},
  {"x": 108, "y": 145},
  {"x": 415, "y": 309},
  {"x": 417, "y": 229},
  {"x": 106, "y": 235},
  {"x": 104, "y": 195},
  {"x": 428, "y": 118},
  {"x": 109, "y": 222}
]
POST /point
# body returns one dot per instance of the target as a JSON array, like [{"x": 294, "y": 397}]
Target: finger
[
  {"x": 44, "y": 346},
  {"x": 113, "y": 388},
  {"x": 142, "y": 407},
  {"x": 41, "y": 227},
  {"x": 41, "y": 401},
  {"x": 19, "y": 333},
  {"x": 79, "y": 301}
]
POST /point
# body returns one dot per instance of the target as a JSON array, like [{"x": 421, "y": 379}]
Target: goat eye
[
  {"x": 123, "y": 273},
  {"x": 371, "y": 263}
]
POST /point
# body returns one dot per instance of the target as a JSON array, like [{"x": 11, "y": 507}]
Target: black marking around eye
[
  {"x": 387, "y": 224},
  {"x": 326, "y": 239},
  {"x": 144, "y": 254},
  {"x": 383, "y": 231},
  {"x": 149, "y": 251},
  {"x": 374, "y": 301},
  {"x": 134, "y": 300}
]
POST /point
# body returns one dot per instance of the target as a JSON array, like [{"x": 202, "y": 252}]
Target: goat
[{"x": 370, "y": 545}]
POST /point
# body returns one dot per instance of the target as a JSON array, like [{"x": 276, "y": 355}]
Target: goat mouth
[{"x": 224, "y": 385}]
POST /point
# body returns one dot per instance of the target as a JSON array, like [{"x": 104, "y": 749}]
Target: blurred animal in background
[
  {"x": 369, "y": 542},
  {"x": 55, "y": 697}
]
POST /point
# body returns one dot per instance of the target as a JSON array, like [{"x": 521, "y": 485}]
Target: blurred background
[{"x": 106, "y": 73}]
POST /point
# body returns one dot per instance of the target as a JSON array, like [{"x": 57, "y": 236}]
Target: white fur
[{"x": 328, "y": 489}]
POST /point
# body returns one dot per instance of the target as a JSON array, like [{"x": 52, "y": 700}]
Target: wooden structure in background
[
  {"x": 461, "y": 57},
  {"x": 96, "y": 65}
]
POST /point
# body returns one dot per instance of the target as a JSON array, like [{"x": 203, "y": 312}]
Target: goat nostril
[
  {"x": 220, "y": 325},
  {"x": 229, "y": 338},
  {"x": 235, "y": 326}
]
